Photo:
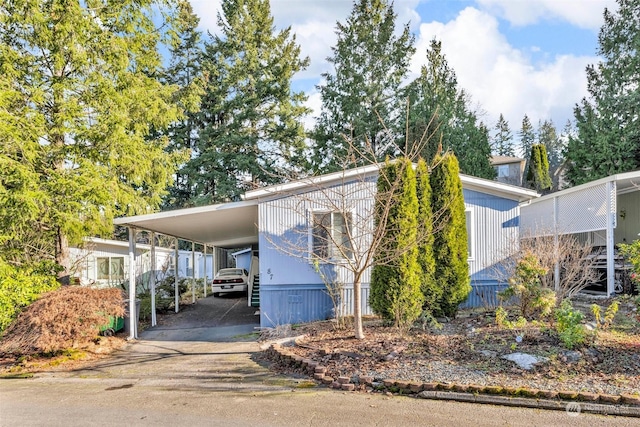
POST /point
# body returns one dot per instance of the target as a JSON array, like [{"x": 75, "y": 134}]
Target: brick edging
[{"x": 568, "y": 400}]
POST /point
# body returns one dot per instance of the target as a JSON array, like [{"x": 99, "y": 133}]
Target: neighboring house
[
  {"x": 509, "y": 170},
  {"x": 105, "y": 263},
  {"x": 276, "y": 222},
  {"x": 603, "y": 213}
]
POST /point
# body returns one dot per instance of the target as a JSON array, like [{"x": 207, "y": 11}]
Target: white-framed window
[
  {"x": 468, "y": 213},
  {"x": 110, "y": 268},
  {"x": 503, "y": 171},
  {"x": 330, "y": 235}
]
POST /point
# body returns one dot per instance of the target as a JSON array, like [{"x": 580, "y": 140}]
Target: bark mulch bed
[{"x": 467, "y": 353}]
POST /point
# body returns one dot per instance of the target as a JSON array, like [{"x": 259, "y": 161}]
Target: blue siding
[
  {"x": 292, "y": 292},
  {"x": 293, "y": 304},
  {"x": 484, "y": 294}
]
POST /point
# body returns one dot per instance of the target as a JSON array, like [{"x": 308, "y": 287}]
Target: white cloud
[
  {"x": 581, "y": 13},
  {"x": 501, "y": 78}
]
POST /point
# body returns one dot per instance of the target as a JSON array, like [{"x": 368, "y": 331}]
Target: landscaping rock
[
  {"x": 570, "y": 356},
  {"x": 524, "y": 360},
  {"x": 489, "y": 353}
]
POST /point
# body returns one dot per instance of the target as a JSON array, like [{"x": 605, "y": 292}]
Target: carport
[
  {"x": 604, "y": 213},
  {"x": 227, "y": 225}
]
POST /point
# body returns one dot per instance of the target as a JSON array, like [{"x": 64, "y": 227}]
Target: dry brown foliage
[{"x": 65, "y": 318}]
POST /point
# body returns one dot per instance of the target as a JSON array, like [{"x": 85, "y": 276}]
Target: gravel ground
[{"x": 468, "y": 350}]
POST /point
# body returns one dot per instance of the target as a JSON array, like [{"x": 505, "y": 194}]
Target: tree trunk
[
  {"x": 63, "y": 258},
  {"x": 357, "y": 314}
]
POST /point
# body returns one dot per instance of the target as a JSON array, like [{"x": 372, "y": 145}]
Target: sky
[{"x": 513, "y": 57}]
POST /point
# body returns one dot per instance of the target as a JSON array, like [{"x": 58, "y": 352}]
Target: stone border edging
[{"x": 567, "y": 400}]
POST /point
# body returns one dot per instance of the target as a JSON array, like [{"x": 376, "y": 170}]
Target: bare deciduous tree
[{"x": 567, "y": 256}]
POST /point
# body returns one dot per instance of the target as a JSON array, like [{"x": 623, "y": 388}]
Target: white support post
[
  {"x": 214, "y": 262},
  {"x": 193, "y": 272},
  {"x": 611, "y": 218},
  {"x": 206, "y": 277},
  {"x": 556, "y": 244},
  {"x": 153, "y": 279},
  {"x": 133, "y": 320},
  {"x": 175, "y": 276}
]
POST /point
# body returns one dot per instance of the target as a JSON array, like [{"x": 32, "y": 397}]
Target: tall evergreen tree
[
  {"x": 450, "y": 246},
  {"x": 361, "y": 105},
  {"x": 395, "y": 291},
  {"x": 429, "y": 287},
  {"x": 554, "y": 144},
  {"x": 438, "y": 112},
  {"x": 503, "y": 139},
  {"x": 527, "y": 137},
  {"x": 185, "y": 71},
  {"x": 538, "y": 173},
  {"x": 608, "y": 128},
  {"x": 250, "y": 119},
  {"x": 79, "y": 100}
]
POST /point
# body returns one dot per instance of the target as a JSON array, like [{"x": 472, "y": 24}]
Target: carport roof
[{"x": 227, "y": 225}]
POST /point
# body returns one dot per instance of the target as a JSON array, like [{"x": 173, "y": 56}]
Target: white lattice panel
[
  {"x": 586, "y": 209},
  {"x": 578, "y": 211},
  {"x": 537, "y": 218}
]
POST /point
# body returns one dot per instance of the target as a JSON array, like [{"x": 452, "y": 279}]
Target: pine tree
[
  {"x": 250, "y": 119},
  {"x": 450, "y": 238},
  {"x": 429, "y": 288},
  {"x": 608, "y": 129},
  {"x": 361, "y": 105},
  {"x": 395, "y": 286},
  {"x": 80, "y": 99},
  {"x": 503, "y": 139},
  {"x": 439, "y": 113},
  {"x": 538, "y": 173}
]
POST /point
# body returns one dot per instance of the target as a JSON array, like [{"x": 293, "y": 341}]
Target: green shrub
[
  {"x": 395, "y": 280},
  {"x": 569, "y": 325},
  {"x": 19, "y": 287},
  {"x": 525, "y": 285},
  {"x": 502, "y": 320},
  {"x": 609, "y": 314},
  {"x": 450, "y": 249}
]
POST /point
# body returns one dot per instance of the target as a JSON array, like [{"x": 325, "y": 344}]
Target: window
[
  {"x": 503, "y": 171},
  {"x": 331, "y": 235},
  {"x": 111, "y": 268},
  {"x": 470, "y": 228}
]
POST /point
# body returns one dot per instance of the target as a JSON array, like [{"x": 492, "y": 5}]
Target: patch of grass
[
  {"x": 16, "y": 375},
  {"x": 250, "y": 336}
]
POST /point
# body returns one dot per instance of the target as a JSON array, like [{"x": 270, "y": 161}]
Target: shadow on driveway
[{"x": 221, "y": 319}]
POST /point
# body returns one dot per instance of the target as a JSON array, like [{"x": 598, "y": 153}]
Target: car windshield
[{"x": 230, "y": 272}]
